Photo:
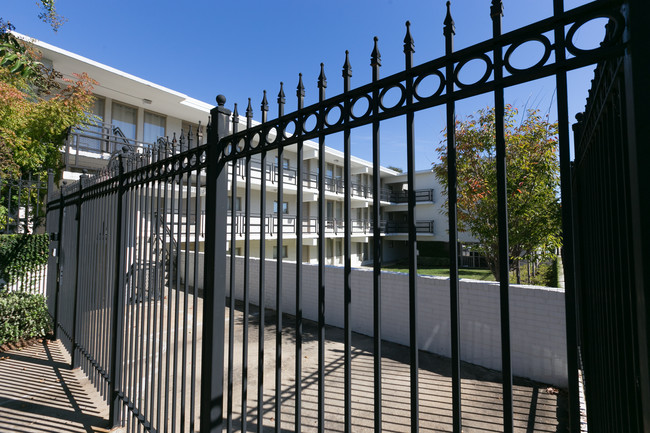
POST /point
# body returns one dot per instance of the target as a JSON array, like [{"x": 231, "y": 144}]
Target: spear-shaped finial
[
  {"x": 496, "y": 9},
  {"x": 249, "y": 110},
  {"x": 281, "y": 98},
  {"x": 347, "y": 69},
  {"x": 409, "y": 44},
  {"x": 199, "y": 132},
  {"x": 300, "y": 90},
  {"x": 181, "y": 139},
  {"x": 375, "y": 57},
  {"x": 322, "y": 79},
  {"x": 265, "y": 103},
  {"x": 235, "y": 114},
  {"x": 190, "y": 138},
  {"x": 450, "y": 28}
]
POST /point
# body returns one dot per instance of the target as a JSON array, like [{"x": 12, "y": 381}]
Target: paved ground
[
  {"x": 39, "y": 393},
  {"x": 537, "y": 407}
]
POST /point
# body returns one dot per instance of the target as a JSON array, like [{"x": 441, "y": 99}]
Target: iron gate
[{"x": 165, "y": 215}]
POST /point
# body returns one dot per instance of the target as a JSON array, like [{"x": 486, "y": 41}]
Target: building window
[
  {"x": 238, "y": 251},
  {"x": 93, "y": 139},
  {"x": 154, "y": 127},
  {"x": 237, "y": 203},
  {"x": 285, "y": 207},
  {"x": 285, "y": 252},
  {"x": 125, "y": 118},
  {"x": 286, "y": 164}
]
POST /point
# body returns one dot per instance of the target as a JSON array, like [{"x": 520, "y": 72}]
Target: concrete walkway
[{"x": 39, "y": 393}]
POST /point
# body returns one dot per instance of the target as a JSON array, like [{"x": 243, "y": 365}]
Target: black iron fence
[
  {"x": 168, "y": 361},
  {"x": 611, "y": 213},
  {"x": 22, "y": 204}
]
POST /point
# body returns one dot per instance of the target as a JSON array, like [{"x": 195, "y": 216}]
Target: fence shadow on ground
[{"x": 39, "y": 392}]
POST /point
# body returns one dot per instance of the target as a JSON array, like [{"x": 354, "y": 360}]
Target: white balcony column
[{"x": 139, "y": 125}]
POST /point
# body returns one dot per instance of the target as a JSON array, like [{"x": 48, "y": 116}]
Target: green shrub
[
  {"x": 21, "y": 255},
  {"x": 546, "y": 275},
  {"x": 22, "y": 316}
]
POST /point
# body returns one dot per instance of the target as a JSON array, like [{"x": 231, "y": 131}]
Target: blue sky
[{"x": 203, "y": 48}]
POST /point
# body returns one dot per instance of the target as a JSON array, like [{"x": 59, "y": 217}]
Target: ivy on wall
[{"x": 21, "y": 255}]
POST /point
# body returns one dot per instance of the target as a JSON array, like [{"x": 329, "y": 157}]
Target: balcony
[
  {"x": 310, "y": 225},
  {"x": 90, "y": 146}
]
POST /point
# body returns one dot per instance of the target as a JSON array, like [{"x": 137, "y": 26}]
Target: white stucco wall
[{"x": 537, "y": 320}]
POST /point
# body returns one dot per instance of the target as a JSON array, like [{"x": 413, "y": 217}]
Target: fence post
[
  {"x": 59, "y": 239},
  {"x": 74, "y": 363},
  {"x": 637, "y": 88},
  {"x": 115, "y": 366},
  {"x": 214, "y": 274}
]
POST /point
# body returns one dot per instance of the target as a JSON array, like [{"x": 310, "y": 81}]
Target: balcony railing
[
  {"x": 421, "y": 195},
  {"x": 97, "y": 140},
  {"x": 310, "y": 225},
  {"x": 392, "y": 227}
]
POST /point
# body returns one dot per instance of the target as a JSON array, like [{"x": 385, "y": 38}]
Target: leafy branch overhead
[
  {"x": 534, "y": 213},
  {"x": 37, "y": 106}
]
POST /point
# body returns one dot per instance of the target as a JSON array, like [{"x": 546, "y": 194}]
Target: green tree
[
  {"x": 37, "y": 106},
  {"x": 533, "y": 180}
]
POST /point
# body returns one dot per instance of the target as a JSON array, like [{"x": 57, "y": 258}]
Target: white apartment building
[{"x": 134, "y": 112}]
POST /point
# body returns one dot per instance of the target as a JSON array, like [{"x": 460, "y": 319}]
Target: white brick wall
[{"x": 537, "y": 322}]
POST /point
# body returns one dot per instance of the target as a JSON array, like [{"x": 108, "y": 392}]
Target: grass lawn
[{"x": 474, "y": 274}]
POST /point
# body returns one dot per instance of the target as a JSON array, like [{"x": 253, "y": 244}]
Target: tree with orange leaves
[{"x": 533, "y": 181}]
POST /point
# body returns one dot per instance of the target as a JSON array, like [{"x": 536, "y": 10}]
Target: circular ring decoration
[
  {"x": 289, "y": 129},
  {"x": 227, "y": 149},
  {"x": 401, "y": 100},
  {"x": 304, "y": 122},
  {"x": 328, "y": 112},
  {"x": 421, "y": 78},
  {"x": 272, "y": 131},
  {"x": 241, "y": 144},
  {"x": 488, "y": 70},
  {"x": 354, "y": 106},
  {"x": 254, "y": 140},
  {"x": 616, "y": 35},
  {"x": 512, "y": 48}
]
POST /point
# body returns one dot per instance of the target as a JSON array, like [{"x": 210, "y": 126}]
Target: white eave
[{"x": 122, "y": 86}]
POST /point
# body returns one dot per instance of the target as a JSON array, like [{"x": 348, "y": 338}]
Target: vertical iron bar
[
  {"x": 186, "y": 290},
  {"x": 158, "y": 288},
  {"x": 177, "y": 301},
  {"x": 322, "y": 84},
  {"x": 115, "y": 367},
  {"x": 233, "y": 239},
  {"x": 637, "y": 90},
  {"x": 409, "y": 49},
  {"x": 567, "y": 220},
  {"x": 74, "y": 355},
  {"x": 164, "y": 301},
  {"x": 375, "y": 63},
  {"x": 215, "y": 267},
  {"x": 149, "y": 360},
  {"x": 347, "y": 271},
  {"x": 173, "y": 269},
  {"x": 197, "y": 225},
  {"x": 449, "y": 31},
  {"x": 247, "y": 256},
  {"x": 57, "y": 290},
  {"x": 496, "y": 12},
  {"x": 300, "y": 93},
  {"x": 278, "y": 285},
  {"x": 262, "y": 282}
]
